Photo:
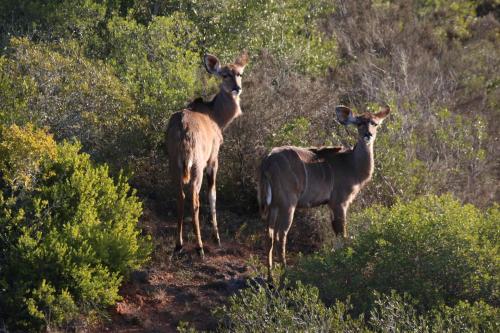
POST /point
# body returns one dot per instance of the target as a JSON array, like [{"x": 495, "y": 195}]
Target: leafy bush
[
  {"x": 466, "y": 317},
  {"x": 51, "y": 19},
  {"x": 22, "y": 152},
  {"x": 290, "y": 308},
  {"x": 73, "y": 96},
  {"x": 433, "y": 248},
  {"x": 297, "y": 308},
  {"x": 15, "y": 91},
  {"x": 68, "y": 232},
  {"x": 394, "y": 313},
  {"x": 290, "y": 31},
  {"x": 399, "y": 173},
  {"x": 284, "y": 26},
  {"x": 158, "y": 63}
]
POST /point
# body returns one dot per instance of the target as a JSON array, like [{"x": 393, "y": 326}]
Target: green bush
[
  {"x": 292, "y": 133},
  {"x": 290, "y": 31},
  {"x": 399, "y": 173},
  {"x": 290, "y": 308},
  {"x": 68, "y": 236},
  {"x": 433, "y": 248},
  {"x": 15, "y": 91},
  {"x": 54, "y": 85},
  {"x": 393, "y": 313},
  {"x": 297, "y": 308},
  {"x": 158, "y": 63},
  {"x": 51, "y": 19}
]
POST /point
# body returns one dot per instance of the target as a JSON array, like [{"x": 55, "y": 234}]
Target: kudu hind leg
[
  {"x": 212, "y": 199},
  {"x": 285, "y": 222},
  {"x": 271, "y": 229},
  {"x": 195, "y": 206},
  {"x": 180, "y": 217}
]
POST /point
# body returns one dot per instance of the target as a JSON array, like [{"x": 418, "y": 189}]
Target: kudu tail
[
  {"x": 186, "y": 172},
  {"x": 265, "y": 194},
  {"x": 186, "y": 159}
]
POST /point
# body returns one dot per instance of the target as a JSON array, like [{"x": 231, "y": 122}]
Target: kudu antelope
[
  {"x": 293, "y": 177},
  {"x": 194, "y": 136}
]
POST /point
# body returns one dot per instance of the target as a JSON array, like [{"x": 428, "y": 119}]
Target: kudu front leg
[
  {"x": 212, "y": 199},
  {"x": 339, "y": 220}
]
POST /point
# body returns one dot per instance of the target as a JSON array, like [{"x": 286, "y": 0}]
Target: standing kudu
[
  {"x": 194, "y": 136},
  {"x": 293, "y": 177}
]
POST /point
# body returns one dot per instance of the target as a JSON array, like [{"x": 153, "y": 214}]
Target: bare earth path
[{"x": 182, "y": 288}]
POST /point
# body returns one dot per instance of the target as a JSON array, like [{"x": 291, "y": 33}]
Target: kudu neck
[
  {"x": 226, "y": 108},
  {"x": 363, "y": 155}
]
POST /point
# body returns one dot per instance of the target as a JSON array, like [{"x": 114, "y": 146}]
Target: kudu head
[
  {"x": 230, "y": 73},
  {"x": 367, "y": 123}
]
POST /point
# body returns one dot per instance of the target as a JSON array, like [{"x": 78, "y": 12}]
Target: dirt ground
[{"x": 182, "y": 287}]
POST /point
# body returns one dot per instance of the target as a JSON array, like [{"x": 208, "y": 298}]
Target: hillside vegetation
[{"x": 87, "y": 88}]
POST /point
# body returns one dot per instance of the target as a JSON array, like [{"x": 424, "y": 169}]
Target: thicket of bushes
[
  {"x": 431, "y": 265},
  {"x": 297, "y": 308},
  {"x": 68, "y": 232},
  {"x": 433, "y": 248}
]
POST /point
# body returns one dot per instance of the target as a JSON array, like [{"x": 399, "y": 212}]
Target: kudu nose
[{"x": 236, "y": 91}]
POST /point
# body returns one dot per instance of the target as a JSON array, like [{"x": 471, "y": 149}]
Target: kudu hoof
[
  {"x": 200, "y": 252},
  {"x": 178, "y": 252},
  {"x": 178, "y": 248},
  {"x": 216, "y": 240}
]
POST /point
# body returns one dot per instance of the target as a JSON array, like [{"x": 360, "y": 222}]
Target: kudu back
[
  {"x": 194, "y": 136},
  {"x": 294, "y": 177}
]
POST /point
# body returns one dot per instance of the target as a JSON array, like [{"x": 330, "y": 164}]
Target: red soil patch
[{"x": 180, "y": 288}]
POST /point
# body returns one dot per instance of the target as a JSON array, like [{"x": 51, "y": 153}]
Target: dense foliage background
[{"x": 103, "y": 77}]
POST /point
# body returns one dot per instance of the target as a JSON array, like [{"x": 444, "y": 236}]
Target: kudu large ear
[
  {"x": 345, "y": 115},
  {"x": 242, "y": 59},
  {"x": 384, "y": 112},
  {"x": 212, "y": 64}
]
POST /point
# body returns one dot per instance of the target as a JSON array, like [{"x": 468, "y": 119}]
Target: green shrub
[
  {"x": 66, "y": 240},
  {"x": 74, "y": 96},
  {"x": 293, "y": 133},
  {"x": 51, "y": 19},
  {"x": 15, "y": 91},
  {"x": 22, "y": 151},
  {"x": 399, "y": 173},
  {"x": 394, "y": 313},
  {"x": 433, "y": 248},
  {"x": 290, "y": 308},
  {"x": 290, "y": 31},
  {"x": 158, "y": 63},
  {"x": 466, "y": 317},
  {"x": 297, "y": 308}
]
